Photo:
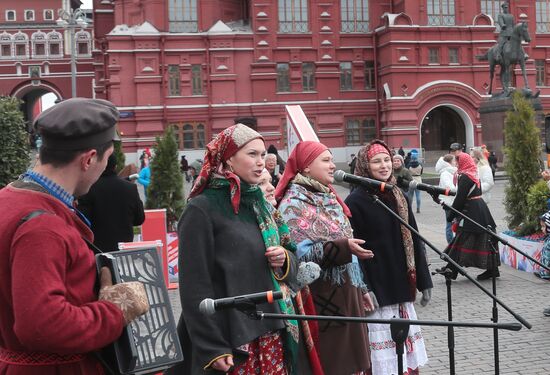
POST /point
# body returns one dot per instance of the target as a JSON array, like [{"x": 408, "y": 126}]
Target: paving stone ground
[{"x": 525, "y": 352}]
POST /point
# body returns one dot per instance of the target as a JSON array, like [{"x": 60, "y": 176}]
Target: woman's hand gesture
[{"x": 357, "y": 250}]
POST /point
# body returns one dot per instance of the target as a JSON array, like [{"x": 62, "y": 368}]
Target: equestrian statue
[{"x": 508, "y": 52}]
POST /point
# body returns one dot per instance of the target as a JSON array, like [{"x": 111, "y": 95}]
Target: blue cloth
[
  {"x": 449, "y": 232},
  {"x": 545, "y": 258},
  {"x": 416, "y": 193},
  {"x": 145, "y": 178}
]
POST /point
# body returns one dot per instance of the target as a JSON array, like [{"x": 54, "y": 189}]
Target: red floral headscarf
[
  {"x": 221, "y": 148},
  {"x": 466, "y": 166},
  {"x": 301, "y": 157}
]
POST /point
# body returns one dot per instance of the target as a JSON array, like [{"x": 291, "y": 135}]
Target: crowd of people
[{"x": 253, "y": 222}]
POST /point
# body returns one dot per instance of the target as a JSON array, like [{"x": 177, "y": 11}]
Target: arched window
[
  {"x": 38, "y": 40},
  {"x": 190, "y": 135},
  {"x": 6, "y": 45},
  {"x": 21, "y": 45},
  {"x": 83, "y": 42},
  {"x": 55, "y": 44}
]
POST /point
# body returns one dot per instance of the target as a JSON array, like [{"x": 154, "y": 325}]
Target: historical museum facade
[
  {"x": 405, "y": 71},
  {"x": 35, "y": 51}
]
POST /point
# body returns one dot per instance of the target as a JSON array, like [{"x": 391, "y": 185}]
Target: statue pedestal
[{"x": 492, "y": 113}]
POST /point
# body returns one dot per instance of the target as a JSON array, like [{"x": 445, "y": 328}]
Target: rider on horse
[{"x": 506, "y": 22}]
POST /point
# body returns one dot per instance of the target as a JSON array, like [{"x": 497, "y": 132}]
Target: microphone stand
[
  {"x": 495, "y": 258},
  {"x": 461, "y": 270},
  {"x": 399, "y": 327}
]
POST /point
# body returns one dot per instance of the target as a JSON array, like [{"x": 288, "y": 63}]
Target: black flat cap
[
  {"x": 455, "y": 147},
  {"x": 78, "y": 124}
]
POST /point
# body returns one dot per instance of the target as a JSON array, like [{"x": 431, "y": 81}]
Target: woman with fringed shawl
[
  {"x": 318, "y": 223},
  {"x": 229, "y": 245},
  {"x": 399, "y": 267},
  {"x": 471, "y": 247}
]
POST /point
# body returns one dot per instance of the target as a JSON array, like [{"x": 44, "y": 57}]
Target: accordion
[{"x": 150, "y": 343}]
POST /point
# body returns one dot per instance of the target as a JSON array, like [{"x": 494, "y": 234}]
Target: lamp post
[{"x": 72, "y": 20}]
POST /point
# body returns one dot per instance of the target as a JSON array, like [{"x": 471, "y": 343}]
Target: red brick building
[
  {"x": 405, "y": 71},
  {"x": 35, "y": 52}
]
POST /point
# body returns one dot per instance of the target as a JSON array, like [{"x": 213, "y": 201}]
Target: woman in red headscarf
[
  {"x": 318, "y": 223},
  {"x": 230, "y": 245},
  {"x": 399, "y": 268},
  {"x": 472, "y": 247}
]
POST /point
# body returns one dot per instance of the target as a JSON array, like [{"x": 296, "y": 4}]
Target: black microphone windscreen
[{"x": 339, "y": 175}]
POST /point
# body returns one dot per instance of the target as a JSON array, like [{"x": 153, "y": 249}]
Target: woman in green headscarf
[{"x": 230, "y": 245}]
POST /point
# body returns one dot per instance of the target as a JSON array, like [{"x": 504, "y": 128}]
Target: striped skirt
[{"x": 470, "y": 249}]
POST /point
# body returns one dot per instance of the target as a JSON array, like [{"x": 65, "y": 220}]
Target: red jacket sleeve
[{"x": 52, "y": 284}]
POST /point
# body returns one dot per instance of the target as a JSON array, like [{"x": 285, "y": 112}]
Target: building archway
[
  {"x": 30, "y": 95},
  {"x": 443, "y": 125}
]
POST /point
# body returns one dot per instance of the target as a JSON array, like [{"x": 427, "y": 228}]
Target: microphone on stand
[
  {"x": 342, "y": 176},
  {"x": 209, "y": 306},
  {"x": 431, "y": 189}
]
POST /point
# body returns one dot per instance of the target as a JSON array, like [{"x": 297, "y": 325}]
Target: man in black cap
[
  {"x": 455, "y": 149},
  {"x": 50, "y": 313}
]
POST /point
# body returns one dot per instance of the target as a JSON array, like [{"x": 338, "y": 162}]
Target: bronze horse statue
[{"x": 512, "y": 54}]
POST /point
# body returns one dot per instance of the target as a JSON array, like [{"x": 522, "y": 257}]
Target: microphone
[
  {"x": 209, "y": 306},
  {"x": 431, "y": 189},
  {"x": 342, "y": 176}
]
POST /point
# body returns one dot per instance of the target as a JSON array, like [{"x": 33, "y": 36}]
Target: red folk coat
[{"x": 47, "y": 276}]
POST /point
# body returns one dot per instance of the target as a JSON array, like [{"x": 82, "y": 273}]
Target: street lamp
[{"x": 72, "y": 20}]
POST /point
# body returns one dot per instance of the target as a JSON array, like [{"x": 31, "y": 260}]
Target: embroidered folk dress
[
  {"x": 386, "y": 274},
  {"x": 318, "y": 225}
]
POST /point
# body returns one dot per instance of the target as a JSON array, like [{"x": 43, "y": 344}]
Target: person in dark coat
[
  {"x": 408, "y": 159},
  {"x": 402, "y": 175},
  {"x": 472, "y": 247},
  {"x": 399, "y": 267},
  {"x": 280, "y": 162},
  {"x": 492, "y": 159},
  {"x": 230, "y": 245},
  {"x": 113, "y": 207},
  {"x": 401, "y": 151}
]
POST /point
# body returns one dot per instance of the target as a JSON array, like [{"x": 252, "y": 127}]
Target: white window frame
[
  {"x": 83, "y": 37},
  {"x": 39, "y": 37},
  {"x": 24, "y": 41},
  {"x": 44, "y": 15},
  {"x": 6, "y": 39},
  {"x": 33, "y": 15},
  {"x": 14, "y": 15},
  {"x": 51, "y": 40}
]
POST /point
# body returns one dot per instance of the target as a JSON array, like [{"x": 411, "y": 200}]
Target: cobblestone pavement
[{"x": 525, "y": 352}]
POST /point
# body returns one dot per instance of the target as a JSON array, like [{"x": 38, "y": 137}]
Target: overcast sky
[{"x": 87, "y": 4}]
